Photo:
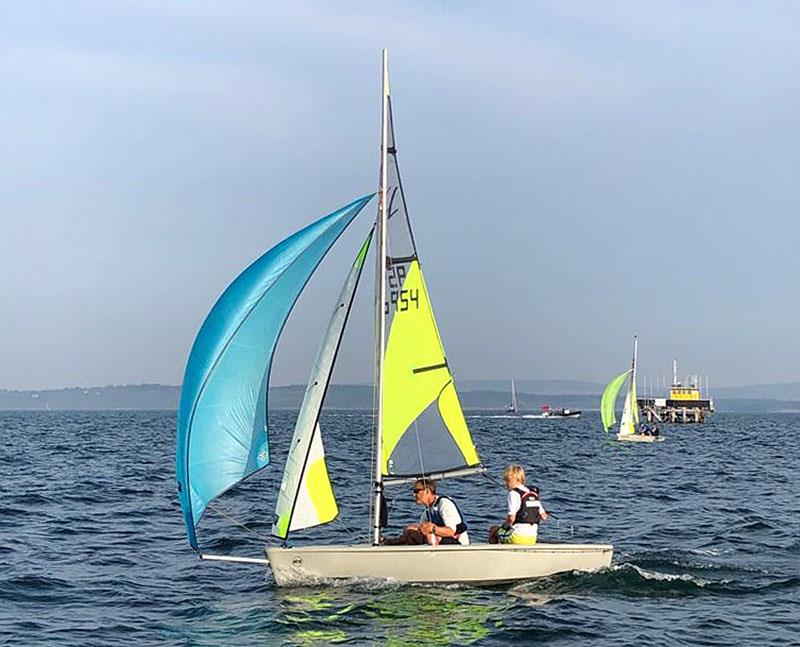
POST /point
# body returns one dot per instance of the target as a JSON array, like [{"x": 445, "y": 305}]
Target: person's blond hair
[{"x": 514, "y": 472}]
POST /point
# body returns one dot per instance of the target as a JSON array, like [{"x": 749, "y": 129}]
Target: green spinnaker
[{"x": 608, "y": 400}]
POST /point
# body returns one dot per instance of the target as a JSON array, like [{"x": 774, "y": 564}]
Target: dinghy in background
[
  {"x": 630, "y": 428},
  {"x": 512, "y": 408}
]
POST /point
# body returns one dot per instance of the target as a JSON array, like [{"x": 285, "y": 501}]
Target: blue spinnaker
[{"x": 222, "y": 418}]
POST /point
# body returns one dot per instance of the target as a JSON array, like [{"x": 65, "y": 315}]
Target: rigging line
[
  {"x": 421, "y": 465},
  {"x": 493, "y": 479},
  {"x": 353, "y": 533},
  {"x": 419, "y": 450},
  {"x": 236, "y": 522}
]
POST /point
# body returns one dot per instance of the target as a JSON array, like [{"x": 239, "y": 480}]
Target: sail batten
[{"x": 222, "y": 416}]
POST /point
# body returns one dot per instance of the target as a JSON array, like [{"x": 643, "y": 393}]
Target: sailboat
[
  {"x": 512, "y": 408},
  {"x": 629, "y": 427},
  {"x": 420, "y": 430}
]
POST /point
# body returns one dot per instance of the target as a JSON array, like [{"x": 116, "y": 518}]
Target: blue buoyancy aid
[{"x": 435, "y": 515}]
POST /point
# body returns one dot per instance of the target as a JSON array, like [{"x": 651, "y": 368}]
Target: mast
[
  {"x": 380, "y": 296},
  {"x": 634, "y": 403}
]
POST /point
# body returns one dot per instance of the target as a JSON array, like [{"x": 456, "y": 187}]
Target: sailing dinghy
[
  {"x": 420, "y": 427},
  {"x": 512, "y": 408},
  {"x": 630, "y": 429}
]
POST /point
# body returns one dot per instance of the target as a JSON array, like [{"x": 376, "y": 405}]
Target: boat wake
[{"x": 669, "y": 574}]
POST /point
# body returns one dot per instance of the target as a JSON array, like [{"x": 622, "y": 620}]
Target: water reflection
[{"x": 390, "y": 614}]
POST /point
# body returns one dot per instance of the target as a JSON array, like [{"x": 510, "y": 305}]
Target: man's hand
[{"x": 427, "y": 528}]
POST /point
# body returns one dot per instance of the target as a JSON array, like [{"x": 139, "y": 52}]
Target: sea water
[{"x": 705, "y": 527}]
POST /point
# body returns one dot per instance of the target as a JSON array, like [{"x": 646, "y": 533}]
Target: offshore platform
[{"x": 685, "y": 403}]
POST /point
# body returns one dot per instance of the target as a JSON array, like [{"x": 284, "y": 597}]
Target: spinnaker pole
[{"x": 380, "y": 297}]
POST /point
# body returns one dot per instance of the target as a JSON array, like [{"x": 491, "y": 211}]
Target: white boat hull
[
  {"x": 475, "y": 564},
  {"x": 639, "y": 438}
]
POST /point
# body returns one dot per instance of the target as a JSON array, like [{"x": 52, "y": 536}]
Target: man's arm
[
  {"x": 440, "y": 531},
  {"x": 450, "y": 517}
]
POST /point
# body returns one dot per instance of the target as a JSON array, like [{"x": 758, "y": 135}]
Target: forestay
[
  {"x": 424, "y": 430},
  {"x": 222, "y": 417},
  {"x": 306, "y": 497}
]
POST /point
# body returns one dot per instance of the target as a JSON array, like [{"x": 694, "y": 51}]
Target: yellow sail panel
[
  {"x": 424, "y": 430},
  {"x": 626, "y": 425},
  {"x": 314, "y": 502},
  {"x": 318, "y": 484},
  {"x": 634, "y": 402}
]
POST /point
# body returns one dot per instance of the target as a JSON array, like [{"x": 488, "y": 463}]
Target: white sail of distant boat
[
  {"x": 630, "y": 412},
  {"x": 420, "y": 426},
  {"x": 512, "y": 408},
  {"x": 630, "y": 428}
]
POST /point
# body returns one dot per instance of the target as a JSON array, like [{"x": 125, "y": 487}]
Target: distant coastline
[{"x": 476, "y": 394}]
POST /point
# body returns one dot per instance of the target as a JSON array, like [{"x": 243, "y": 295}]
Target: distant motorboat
[{"x": 547, "y": 412}]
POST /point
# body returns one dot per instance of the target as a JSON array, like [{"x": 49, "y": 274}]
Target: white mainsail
[
  {"x": 306, "y": 496},
  {"x": 627, "y": 425},
  {"x": 630, "y": 413}
]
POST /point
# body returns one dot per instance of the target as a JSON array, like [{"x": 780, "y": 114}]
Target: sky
[{"x": 576, "y": 173}]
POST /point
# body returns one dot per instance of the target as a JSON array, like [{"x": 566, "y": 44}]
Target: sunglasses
[{"x": 417, "y": 490}]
